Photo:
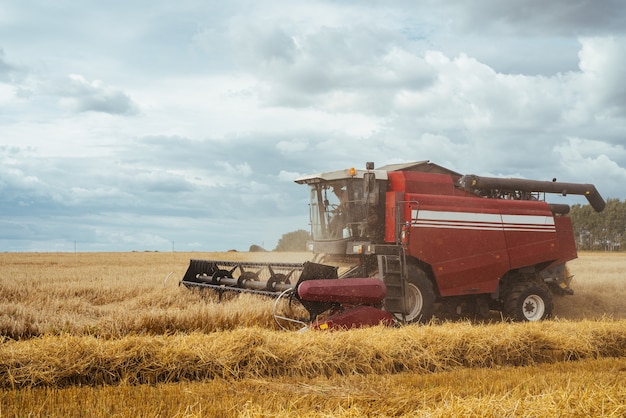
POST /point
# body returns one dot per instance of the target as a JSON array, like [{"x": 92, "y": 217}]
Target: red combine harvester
[{"x": 418, "y": 236}]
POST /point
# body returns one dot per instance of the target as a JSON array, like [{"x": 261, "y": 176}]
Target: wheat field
[{"x": 112, "y": 334}]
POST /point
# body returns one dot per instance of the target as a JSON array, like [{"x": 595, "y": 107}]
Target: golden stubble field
[{"x": 112, "y": 334}]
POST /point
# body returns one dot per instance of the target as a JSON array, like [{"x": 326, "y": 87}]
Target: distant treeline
[{"x": 604, "y": 231}]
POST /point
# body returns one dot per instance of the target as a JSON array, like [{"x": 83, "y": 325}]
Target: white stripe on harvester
[{"x": 482, "y": 221}]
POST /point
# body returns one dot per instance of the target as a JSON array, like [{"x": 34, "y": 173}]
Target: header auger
[{"x": 419, "y": 237}]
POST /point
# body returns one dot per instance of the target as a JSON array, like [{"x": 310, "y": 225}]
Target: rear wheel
[
  {"x": 528, "y": 301},
  {"x": 419, "y": 297}
]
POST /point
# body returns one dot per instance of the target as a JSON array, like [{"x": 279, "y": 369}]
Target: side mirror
[{"x": 369, "y": 180}]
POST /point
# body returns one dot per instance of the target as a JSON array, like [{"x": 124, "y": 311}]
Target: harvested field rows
[
  {"x": 586, "y": 388},
  {"x": 251, "y": 353},
  {"x": 86, "y": 334}
]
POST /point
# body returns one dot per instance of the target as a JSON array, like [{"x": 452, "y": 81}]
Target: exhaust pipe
[{"x": 472, "y": 183}]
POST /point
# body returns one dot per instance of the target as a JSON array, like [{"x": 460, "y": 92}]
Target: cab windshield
[{"x": 344, "y": 209}]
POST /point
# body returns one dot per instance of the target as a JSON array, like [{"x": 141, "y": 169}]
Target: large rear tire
[
  {"x": 419, "y": 297},
  {"x": 528, "y": 302}
]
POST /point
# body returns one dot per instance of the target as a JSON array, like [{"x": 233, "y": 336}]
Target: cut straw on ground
[{"x": 246, "y": 353}]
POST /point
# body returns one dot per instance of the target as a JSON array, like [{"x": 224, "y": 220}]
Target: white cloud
[
  {"x": 288, "y": 176},
  {"x": 80, "y": 95},
  {"x": 7, "y": 94},
  {"x": 603, "y": 63},
  {"x": 291, "y": 146},
  {"x": 231, "y": 102},
  {"x": 591, "y": 161}
]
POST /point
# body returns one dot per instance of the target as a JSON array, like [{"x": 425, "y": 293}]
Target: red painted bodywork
[
  {"x": 470, "y": 242},
  {"x": 355, "y": 297},
  {"x": 355, "y": 317}
]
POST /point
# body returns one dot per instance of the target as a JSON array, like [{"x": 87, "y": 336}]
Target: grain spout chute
[{"x": 492, "y": 186}]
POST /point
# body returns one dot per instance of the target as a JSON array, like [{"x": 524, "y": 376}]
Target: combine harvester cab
[{"x": 434, "y": 239}]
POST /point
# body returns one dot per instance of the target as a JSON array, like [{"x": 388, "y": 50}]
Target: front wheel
[
  {"x": 528, "y": 301},
  {"x": 419, "y": 297}
]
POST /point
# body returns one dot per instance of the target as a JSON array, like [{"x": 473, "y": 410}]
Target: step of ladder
[{"x": 390, "y": 268}]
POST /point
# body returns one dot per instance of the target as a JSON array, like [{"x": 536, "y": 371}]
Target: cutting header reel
[{"x": 345, "y": 303}]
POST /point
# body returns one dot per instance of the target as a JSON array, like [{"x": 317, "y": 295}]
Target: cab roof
[{"x": 381, "y": 173}]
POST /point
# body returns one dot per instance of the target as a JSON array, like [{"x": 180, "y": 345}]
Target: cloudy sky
[{"x": 152, "y": 125}]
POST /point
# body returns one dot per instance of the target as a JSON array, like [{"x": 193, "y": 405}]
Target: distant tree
[
  {"x": 256, "y": 249},
  {"x": 293, "y": 241}
]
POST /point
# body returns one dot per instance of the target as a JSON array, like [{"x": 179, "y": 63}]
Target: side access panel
[
  {"x": 565, "y": 237},
  {"x": 463, "y": 241},
  {"x": 530, "y": 231},
  {"x": 391, "y": 215}
]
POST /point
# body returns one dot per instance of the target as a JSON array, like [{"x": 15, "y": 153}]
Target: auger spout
[{"x": 491, "y": 185}]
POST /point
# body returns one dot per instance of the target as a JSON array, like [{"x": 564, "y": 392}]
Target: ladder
[
  {"x": 392, "y": 267},
  {"x": 393, "y": 272}
]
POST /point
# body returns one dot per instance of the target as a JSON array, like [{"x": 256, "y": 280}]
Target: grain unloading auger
[{"x": 419, "y": 236}]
